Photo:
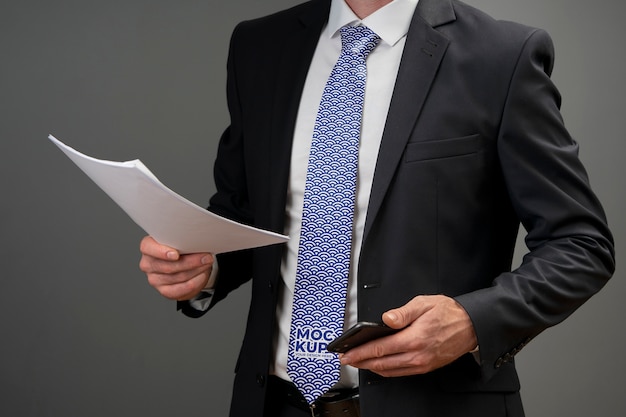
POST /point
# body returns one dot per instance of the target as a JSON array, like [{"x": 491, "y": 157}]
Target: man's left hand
[{"x": 436, "y": 330}]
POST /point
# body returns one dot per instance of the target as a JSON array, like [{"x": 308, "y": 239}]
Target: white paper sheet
[{"x": 166, "y": 216}]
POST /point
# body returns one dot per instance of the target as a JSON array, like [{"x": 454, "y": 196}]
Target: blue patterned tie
[{"x": 329, "y": 197}]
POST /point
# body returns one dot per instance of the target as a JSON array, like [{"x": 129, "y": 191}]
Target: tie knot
[{"x": 358, "y": 40}]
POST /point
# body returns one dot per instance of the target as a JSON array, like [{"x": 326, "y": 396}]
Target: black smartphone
[{"x": 362, "y": 332}]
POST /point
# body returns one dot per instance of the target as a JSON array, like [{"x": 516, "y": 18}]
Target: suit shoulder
[
  {"x": 282, "y": 22},
  {"x": 495, "y": 32}
]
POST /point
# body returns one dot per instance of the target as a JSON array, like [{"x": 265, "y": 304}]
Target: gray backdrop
[{"x": 83, "y": 334}]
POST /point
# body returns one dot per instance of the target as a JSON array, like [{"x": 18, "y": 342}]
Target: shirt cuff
[{"x": 476, "y": 354}]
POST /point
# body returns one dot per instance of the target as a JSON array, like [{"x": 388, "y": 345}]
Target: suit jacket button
[{"x": 260, "y": 380}]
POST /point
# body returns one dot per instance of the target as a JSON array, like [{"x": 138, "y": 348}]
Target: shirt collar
[{"x": 390, "y": 22}]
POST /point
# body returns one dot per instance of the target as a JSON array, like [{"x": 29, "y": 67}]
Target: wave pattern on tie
[{"x": 326, "y": 237}]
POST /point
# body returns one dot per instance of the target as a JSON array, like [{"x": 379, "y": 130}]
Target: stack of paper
[{"x": 166, "y": 216}]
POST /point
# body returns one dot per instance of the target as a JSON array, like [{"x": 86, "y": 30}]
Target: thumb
[{"x": 401, "y": 317}]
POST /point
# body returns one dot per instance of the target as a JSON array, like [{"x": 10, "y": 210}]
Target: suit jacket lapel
[
  {"x": 297, "y": 54},
  {"x": 423, "y": 52}
]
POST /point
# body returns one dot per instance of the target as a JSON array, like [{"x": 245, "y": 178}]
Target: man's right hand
[{"x": 174, "y": 276}]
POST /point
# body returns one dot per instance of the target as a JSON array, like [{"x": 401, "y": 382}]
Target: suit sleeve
[
  {"x": 231, "y": 199},
  {"x": 571, "y": 253}
]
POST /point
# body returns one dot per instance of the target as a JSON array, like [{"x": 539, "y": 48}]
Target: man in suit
[{"x": 461, "y": 141}]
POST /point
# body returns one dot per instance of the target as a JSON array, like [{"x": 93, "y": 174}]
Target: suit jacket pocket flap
[{"x": 441, "y": 148}]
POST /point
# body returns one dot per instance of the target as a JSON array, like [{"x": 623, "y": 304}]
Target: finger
[
  {"x": 185, "y": 264},
  {"x": 151, "y": 247},
  {"x": 184, "y": 290},
  {"x": 402, "y": 364},
  {"x": 157, "y": 279},
  {"x": 401, "y": 317},
  {"x": 376, "y": 349}
]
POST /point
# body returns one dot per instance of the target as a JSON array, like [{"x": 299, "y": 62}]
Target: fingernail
[
  {"x": 206, "y": 259},
  {"x": 172, "y": 255},
  {"x": 392, "y": 316}
]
